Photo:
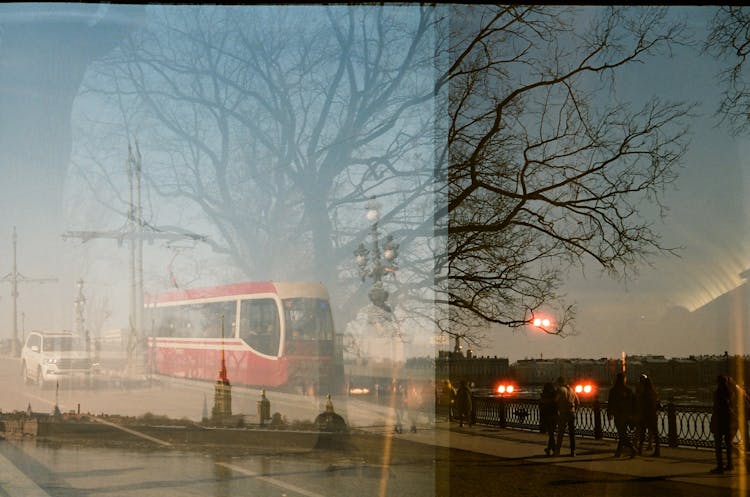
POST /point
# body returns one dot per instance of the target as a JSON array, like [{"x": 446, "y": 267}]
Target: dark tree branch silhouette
[
  {"x": 545, "y": 169},
  {"x": 729, "y": 39}
]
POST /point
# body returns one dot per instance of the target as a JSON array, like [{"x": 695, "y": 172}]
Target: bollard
[
  {"x": 264, "y": 407},
  {"x": 598, "y": 432},
  {"x": 672, "y": 424}
]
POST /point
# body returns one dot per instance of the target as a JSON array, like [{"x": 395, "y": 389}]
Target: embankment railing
[{"x": 679, "y": 425}]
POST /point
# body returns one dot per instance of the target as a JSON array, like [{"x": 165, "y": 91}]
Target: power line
[{"x": 135, "y": 231}]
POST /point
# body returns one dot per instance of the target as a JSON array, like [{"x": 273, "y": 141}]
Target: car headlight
[{"x": 51, "y": 360}]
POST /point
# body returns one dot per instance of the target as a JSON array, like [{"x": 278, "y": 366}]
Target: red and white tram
[{"x": 275, "y": 334}]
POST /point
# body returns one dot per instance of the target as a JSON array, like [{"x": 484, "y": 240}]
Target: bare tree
[
  {"x": 545, "y": 169},
  {"x": 729, "y": 39},
  {"x": 276, "y": 124},
  {"x": 280, "y": 127}
]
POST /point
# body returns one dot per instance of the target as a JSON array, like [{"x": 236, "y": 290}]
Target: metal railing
[{"x": 679, "y": 425}]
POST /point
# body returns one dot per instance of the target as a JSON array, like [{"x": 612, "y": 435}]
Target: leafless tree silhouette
[{"x": 493, "y": 134}]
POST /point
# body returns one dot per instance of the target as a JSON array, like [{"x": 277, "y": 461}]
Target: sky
[
  {"x": 706, "y": 220},
  {"x": 44, "y": 197}
]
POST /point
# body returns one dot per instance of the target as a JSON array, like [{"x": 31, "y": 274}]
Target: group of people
[
  {"x": 629, "y": 410},
  {"x": 636, "y": 411},
  {"x": 635, "y": 414},
  {"x": 557, "y": 413}
]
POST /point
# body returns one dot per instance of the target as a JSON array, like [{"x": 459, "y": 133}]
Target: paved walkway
[{"x": 684, "y": 465}]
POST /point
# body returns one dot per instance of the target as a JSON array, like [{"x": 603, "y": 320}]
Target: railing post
[
  {"x": 501, "y": 414},
  {"x": 672, "y": 424},
  {"x": 598, "y": 432}
]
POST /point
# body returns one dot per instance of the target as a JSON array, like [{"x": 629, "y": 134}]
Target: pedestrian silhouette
[
  {"x": 723, "y": 422},
  {"x": 567, "y": 404},
  {"x": 620, "y": 407},
  {"x": 647, "y": 414},
  {"x": 463, "y": 404},
  {"x": 548, "y": 415}
]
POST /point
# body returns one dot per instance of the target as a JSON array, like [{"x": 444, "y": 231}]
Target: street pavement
[{"x": 685, "y": 465}]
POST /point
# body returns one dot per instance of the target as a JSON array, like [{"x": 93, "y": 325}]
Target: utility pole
[
  {"x": 133, "y": 231},
  {"x": 14, "y": 278}
]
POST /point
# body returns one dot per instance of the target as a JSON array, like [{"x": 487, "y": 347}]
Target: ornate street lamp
[{"x": 375, "y": 264}]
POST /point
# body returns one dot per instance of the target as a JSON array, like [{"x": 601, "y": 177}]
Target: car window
[{"x": 33, "y": 340}]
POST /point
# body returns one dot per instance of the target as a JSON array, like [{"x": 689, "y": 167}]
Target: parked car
[{"x": 50, "y": 357}]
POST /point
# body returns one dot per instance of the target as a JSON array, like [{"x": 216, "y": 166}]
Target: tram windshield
[
  {"x": 308, "y": 319},
  {"x": 259, "y": 325}
]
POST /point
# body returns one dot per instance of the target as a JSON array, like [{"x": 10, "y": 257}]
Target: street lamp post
[
  {"x": 79, "y": 305},
  {"x": 377, "y": 264}
]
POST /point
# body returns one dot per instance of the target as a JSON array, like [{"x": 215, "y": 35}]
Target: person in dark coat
[
  {"x": 463, "y": 403},
  {"x": 548, "y": 415},
  {"x": 620, "y": 407},
  {"x": 723, "y": 422},
  {"x": 647, "y": 414},
  {"x": 567, "y": 405}
]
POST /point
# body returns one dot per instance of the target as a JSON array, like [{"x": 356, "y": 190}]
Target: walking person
[
  {"x": 548, "y": 415},
  {"x": 567, "y": 404},
  {"x": 413, "y": 403},
  {"x": 723, "y": 422},
  {"x": 647, "y": 414},
  {"x": 463, "y": 403},
  {"x": 620, "y": 407},
  {"x": 399, "y": 404}
]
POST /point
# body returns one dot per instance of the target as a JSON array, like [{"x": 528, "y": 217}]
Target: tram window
[
  {"x": 196, "y": 321},
  {"x": 164, "y": 321},
  {"x": 259, "y": 325},
  {"x": 206, "y": 319}
]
